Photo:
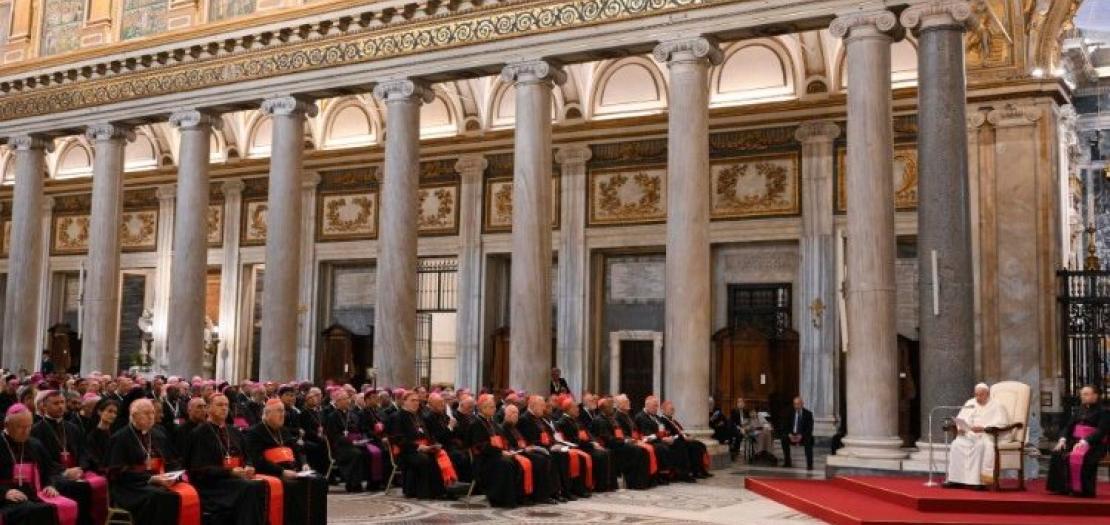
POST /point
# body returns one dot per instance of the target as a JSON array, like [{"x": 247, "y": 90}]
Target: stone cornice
[{"x": 205, "y": 66}]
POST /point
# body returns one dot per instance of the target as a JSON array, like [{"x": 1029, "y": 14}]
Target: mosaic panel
[
  {"x": 755, "y": 187},
  {"x": 61, "y": 26},
  {"x": 254, "y": 222},
  {"x": 438, "y": 209},
  {"x": 215, "y": 225},
  {"x": 143, "y": 17},
  {"x": 628, "y": 196},
  {"x": 498, "y": 216},
  {"x": 905, "y": 177},
  {"x": 347, "y": 216},
  {"x": 224, "y": 9}
]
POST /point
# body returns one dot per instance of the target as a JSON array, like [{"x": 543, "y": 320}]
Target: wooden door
[
  {"x": 909, "y": 402},
  {"x": 785, "y": 366},
  {"x": 338, "y": 363},
  {"x": 499, "y": 371},
  {"x": 743, "y": 365},
  {"x": 637, "y": 371}
]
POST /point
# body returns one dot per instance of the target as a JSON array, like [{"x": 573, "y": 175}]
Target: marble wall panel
[
  {"x": 905, "y": 177},
  {"x": 61, "y": 26},
  {"x": 635, "y": 280},
  {"x": 254, "y": 222},
  {"x": 143, "y": 17},
  {"x": 498, "y": 215},
  {"x": 627, "y": 195},
  {"x": 438, "y": 209},
  {"x": 347, "y": 216},
  {"x": 755, "y": 186}
]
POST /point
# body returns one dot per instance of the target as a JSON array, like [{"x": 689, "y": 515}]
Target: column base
[
  {"x": 869, "y": 453},
  {"x": 825, "y": 426},
  {"x": 718, "y": 453},
  {"x": 919, "y": 460}
]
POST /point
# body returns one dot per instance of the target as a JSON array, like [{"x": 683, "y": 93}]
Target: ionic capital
[
  {"x": 404, "y": 89},
  {"x": 309, "y": 180},
  {"x": 689, "y": 49},
  {"x": 288, "y": 105},
  {"x": 472, "y": 163},
  {"x": 864, "y": 24},
  {"x": 938, "y": 13},
  {"x": 1011, "y": 115},
  {"x": 817, "y": 131},
  {"x": 232, "y": 187},
  {"x": 194, "y": 119},
  {"x": 28, "y": 142},
  {"x": 166, "y": 192},
  {"x": 573, "y": 154},
  {"x": 534, "y": 71},
  {"x": 109, "y": 131},
  {"x": 976, "y": 120}
]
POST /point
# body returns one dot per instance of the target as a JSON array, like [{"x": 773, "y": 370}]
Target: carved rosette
[
  {"x": 1012, "y": 115},
  {"x": 817, "y": 131},
  {"x": 573, "y": 155},
  {"x": 866, "y": 24},
  {"x": 194, "y": 119},
  {"x": 404, "y": 90},
  {"x": 31, "y": 142},
  {"x": 108, "y": 132},
  {"x": 288, "y": 105},
  {"x": 534, "y": 71},
  {"x": 938, "y": 13},
  {"x": 689, "y": 49}
]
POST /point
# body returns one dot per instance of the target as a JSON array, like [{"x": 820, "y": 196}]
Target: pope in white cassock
[{"x": 971, "y": 454}]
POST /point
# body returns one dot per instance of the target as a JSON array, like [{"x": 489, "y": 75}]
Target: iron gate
[{"x": 1084, "y": 298}]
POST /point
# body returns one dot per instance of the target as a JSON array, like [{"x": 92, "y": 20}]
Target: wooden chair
[
  {"x": 1009, "y": 440},
  {"x": 118, "y": 516}
]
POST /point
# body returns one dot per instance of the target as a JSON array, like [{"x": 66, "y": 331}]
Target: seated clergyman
[
  {"x": 971, "y": 454},
  {"x": 1075, "y": 458}
]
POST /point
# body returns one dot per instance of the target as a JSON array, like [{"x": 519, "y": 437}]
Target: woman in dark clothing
[{"x": 96, "y": 440}]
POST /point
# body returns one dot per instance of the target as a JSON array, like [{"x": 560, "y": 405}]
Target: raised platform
[{"x": 859, "y": 500}]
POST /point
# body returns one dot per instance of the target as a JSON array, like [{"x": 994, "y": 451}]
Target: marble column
[
  {"x": 530, "y": 270},
  {"x": 395, "y": 308},
  {"x": 22, "y": 334},
  {"x": 189, "y": 268},
  {"x": 468, "y": 335},
  {"x": 227, "y": 359},
  {"x": 872, "y": 360},
  {"x": 306, "y": 332},
  {"x": 572, "y": 323},
  {"x": 818, "y": 295},
  {"x": 946, "y": 308},
  {"x": 688, "y": 274},
  {"x": 281, "y": 286},
  {"x": 99, "y": 346},
  {"x": 167, "y": 201}
]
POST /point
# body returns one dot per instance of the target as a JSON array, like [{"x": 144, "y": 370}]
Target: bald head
[{"x": 142, "y": 414}]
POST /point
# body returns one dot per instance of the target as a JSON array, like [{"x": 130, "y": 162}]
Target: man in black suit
[
  {"x": 558, "y": 384},
  {"x": 797, "y": 429}
]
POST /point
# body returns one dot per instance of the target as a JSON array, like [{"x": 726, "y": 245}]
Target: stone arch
[
  {"x": 631, "y": 85},
  {"x": 346, "y": 122},
  {"x": 501, "y": 104},
  {"x": 259, "y": 135},
  {"x": 73, "y": 158},
  {"x": 756, "y": 70},
  {"x": 143, "y": 153},
  {"x": 439, "y": 118},
  {"x": 903, "y": 64}
]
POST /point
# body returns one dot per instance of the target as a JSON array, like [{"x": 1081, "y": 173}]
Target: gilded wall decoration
[
  {"x": 990, "y": 40},
  {"x": 498, "y": 216},
  {"x": 347, "y": 216},
  {"x": 438, "y": 209},
  {"x": 755, "y": 186},
  {"x": 215, "y": 221},
  {"x": 61, "y": 26},
  {"x": 224, "y": 9},
  {"x": 730, "y": 143},
  {"x": 254, "y": 222},
  {"x": 71, "y": 234},
  {"x": 143, "y": 17},
  {"x": 138, "y": 230},
  {"x": 628, "y": 196},
  {"x": 479, "y": 25},
  {"x": 905, "y": 177}
]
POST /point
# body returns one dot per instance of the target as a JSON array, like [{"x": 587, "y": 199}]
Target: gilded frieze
[
  {"x": 498, "y": 216},
  {"x": 215, "y": 222},
  {"x": 905, "y": 177},
  {"x": 254, "y": 222},
  {"x": 628, "y": 196},
  {"x": 755, "y": 186},
  {"x": 378, "y": 42},
  {"x": 70, "y": 234},
  {"x": 347, "y": 216},
  {"x": 438, "y": 209},
  {"x": 731, "y": 143}
]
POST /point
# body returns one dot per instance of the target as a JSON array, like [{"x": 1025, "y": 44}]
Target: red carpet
[{"x": 860, "y": 500}]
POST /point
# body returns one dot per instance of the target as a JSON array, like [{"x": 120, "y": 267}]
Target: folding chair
[{"x": 395, "y": 469}]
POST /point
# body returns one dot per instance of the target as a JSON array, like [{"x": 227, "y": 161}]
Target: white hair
[{"x": 982, "y": 386}]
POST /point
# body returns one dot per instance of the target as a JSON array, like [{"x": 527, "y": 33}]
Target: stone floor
[{"x": 721, "y": 499}]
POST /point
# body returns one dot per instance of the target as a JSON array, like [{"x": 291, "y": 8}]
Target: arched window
[
  {"x": 61, "y": 26},
  {"x": 632, "y": 85}
]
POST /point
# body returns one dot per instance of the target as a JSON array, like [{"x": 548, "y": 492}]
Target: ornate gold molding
[{"x": 480, "y": 25}]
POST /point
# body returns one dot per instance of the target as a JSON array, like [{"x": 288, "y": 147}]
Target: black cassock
[
  {"x": 695, "y": 450},
  {"x": 353, "y": 461},
  {"x": 65, "y": 444},
  {"x": 438, "y": 425},
  {"x": 129, "y": 475},
  {"x": 226, "y": 499},
  {"x": 316, "y": 446},
  {"x": 96, "y": 450},
  {"x": 545, "y": 477},
  {"x": 1094, "y": 422},
  {"x": 574, "y": 432},
  {"x": 672, "y": 456},
  {"x": 34, "y": 511},
  {"x": 538, "y": 433},
  {"x": 631, "y": 460},
  {"x": 498, "y": 475},
  {"x": 272, "y": 452},
  {"x": 422, "y": 473}
]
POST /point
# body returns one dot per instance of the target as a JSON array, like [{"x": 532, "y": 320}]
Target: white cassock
[{"x": 971, "y": 455}]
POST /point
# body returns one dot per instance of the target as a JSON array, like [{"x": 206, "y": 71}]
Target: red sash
[
  {"x": 279, "y": 455},
  {"x": 653, "y": 465},
  {"x": 521, "y": 444},
  {"x": 583, "y": 435},
  {"x": 446, "y": 469},
  {"x": 231, "y": 462},
  {"x": 586, "y": 460},
  {"x": 189, "y": 512},
  {"x": 277, "y": 499},
  {"x": 618, "y": 432},
  {"x": 526, "y": 466},
  {"x": 497, "y": 442},
  {"x": 545, "y": 439}
]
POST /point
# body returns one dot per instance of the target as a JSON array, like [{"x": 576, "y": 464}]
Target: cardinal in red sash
[
  {"x": 604, "y": 478},
  {"x": 634, "y": 463},
  {"x": 669, "y": 449},
  {"x": 428, "y": 469},
  {"x": 275, "y": 452},
  {"x": 696, "y": 451},
  {"x": 500, "y": 474},
  {"x": 219, "y": 470},
  {"x": 545, "y": 484}
]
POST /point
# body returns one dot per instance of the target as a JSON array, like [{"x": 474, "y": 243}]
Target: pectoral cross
[{"x": 817, "y": 308}]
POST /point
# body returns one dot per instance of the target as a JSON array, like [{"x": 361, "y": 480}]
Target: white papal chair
[{"x": 1009, "y": 440}]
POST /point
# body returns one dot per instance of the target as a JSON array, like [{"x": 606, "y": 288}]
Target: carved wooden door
[{"x": 637, "y": 372}]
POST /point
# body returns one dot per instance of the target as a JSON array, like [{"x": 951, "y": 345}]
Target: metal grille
[
  {"x": 437, "y": 285},
  {"x": 1084, "y": 298},
  {"x": 765, "y": 306},
  {"x": 424, "y": 349}
]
